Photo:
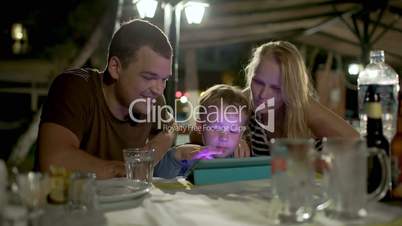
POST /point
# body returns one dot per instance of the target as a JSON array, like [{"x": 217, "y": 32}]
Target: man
[{"x": 86, "y": 121}]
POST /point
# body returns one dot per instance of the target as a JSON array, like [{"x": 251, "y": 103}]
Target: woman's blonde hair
[{"x": 296, "y": 89}]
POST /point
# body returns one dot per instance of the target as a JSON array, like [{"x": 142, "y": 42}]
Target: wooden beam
[
  {"x": 218, "y": 34},
  {"x": 390, "y": 43},
  {"x": 264, "y": 17},
  {"x": 324, "y": 42},
  {"x": 344, "y": 46},
  {"x": 388, "y": 51},
  {"x": 341, "y": 30},
  {"x": 330, "y": 22},
  {"x": 242, "y": 6},
  {"x": 242, "y": 39},
  {"x": 385, "y": 30},
  {"x": 383, "y": 25}
]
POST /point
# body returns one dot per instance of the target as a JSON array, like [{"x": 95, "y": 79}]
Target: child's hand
[
  {"x": 207, "y": 153},
  {"x": 243, "y": 151},
  {"x": 192, "y": 151}
]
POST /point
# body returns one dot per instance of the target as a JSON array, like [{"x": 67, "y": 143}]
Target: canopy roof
[{"x": 350, "y": 28}]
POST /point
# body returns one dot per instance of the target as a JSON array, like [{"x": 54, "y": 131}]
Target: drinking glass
[
  {"x": 82, "y": 191},
  {"x": 33, "y": 188},
  {"x": 345, "y": 177},
  {"x": 139, "y": 164},
  {"x": 293, "y": 179}
]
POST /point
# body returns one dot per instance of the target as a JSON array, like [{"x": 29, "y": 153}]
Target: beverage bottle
[
  {"x": 378, "y": 73},
  {"x": 375, "y": 138},
  {"x": 396, "y": 154}
]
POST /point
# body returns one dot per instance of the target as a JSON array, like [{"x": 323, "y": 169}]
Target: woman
[{"x": 277, "y": 80}]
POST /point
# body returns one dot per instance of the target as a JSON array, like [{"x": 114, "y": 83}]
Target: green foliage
[{"x": 81, "y": 23}]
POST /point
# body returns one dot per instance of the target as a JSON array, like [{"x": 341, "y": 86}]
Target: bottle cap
[{"x": 378, "y": 55}]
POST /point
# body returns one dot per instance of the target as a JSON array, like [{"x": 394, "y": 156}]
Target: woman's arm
[{"x": 325, "y": 123}]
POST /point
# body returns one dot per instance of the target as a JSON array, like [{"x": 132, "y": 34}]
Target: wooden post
[{"x": 191, "y": 79}]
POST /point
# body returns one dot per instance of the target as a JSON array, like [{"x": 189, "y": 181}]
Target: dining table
[{"x": 176, "y": 202}]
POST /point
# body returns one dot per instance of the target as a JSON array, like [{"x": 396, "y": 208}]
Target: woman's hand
[{"x": 243, "y": 150}]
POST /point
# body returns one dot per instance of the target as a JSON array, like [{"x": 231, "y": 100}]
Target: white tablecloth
[{"x": 239, "y": 203}]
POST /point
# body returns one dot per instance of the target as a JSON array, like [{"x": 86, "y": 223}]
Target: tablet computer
[{"x": 230, "y": 169}]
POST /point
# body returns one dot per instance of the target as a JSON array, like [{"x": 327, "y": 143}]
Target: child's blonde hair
[
  {"x": 296, "y": 89},
  {"x": 227, "y": 95}
]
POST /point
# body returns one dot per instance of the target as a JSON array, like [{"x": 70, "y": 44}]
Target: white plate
[{"x": 118, "y": 189}]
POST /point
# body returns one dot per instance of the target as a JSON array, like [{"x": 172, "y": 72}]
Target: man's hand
[
  {"x": 243, "y": 151},
  {"x": 111, "y": 169}
]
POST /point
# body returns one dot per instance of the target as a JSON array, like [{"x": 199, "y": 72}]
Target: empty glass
[
  {"x": 139, "y": 164},
  {"x": 293, "y": 179},
  {"x": 82, "y": 191},
  {"x": 33, "y": 188},
  {"x": 345, "y": 177}
]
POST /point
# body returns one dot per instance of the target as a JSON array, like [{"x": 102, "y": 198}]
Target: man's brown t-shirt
[{"x": 76, "y": 102}]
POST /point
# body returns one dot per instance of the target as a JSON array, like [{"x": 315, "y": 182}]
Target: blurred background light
[{"x": 146, "y": 8}]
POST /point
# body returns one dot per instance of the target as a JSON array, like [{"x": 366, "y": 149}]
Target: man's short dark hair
[{"x": 135, "y": 34}]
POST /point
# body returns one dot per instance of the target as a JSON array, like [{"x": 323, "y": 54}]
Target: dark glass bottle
[
  {"x": 396, "y": 154},
  {"x": 375, "y": 138}
]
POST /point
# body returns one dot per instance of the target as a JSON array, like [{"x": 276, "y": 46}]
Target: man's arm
[
  {"x": 161, "y": 142},
  {"x": 325, "y": 123},
  {"x": 60, "y": 147}
]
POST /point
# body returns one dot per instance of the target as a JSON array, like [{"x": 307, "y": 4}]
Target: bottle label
[
  {"x": 373, "y": 110},
  {"x": 396, "y": 182},
  {"x": 395, "y": 170}
]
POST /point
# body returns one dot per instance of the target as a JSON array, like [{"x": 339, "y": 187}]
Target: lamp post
[{"x": 194, "y": 11}]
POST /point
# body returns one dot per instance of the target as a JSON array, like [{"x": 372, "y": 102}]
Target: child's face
[{"x": 222, "y": 132}]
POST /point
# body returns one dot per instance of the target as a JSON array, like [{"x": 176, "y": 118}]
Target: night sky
[{"x": 48, "y": 23}]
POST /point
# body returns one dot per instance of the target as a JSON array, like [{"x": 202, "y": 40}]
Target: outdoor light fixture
[
  {"x": 20, "y": 36},
  {"x": 354, "y": 68},
  {"x": 146, "y": 8},
  {"x": 194, "y": 11},
  {"x": 17, "y": 31}
]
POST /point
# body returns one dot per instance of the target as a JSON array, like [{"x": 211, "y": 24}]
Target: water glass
[
  {"x": 293, "y": 179},
  {"x": 82, "y": 191},
  {"x": 345, "y": 177},
  {"x": 139, "y": 164},
  {"x": 33, "y": 188}
]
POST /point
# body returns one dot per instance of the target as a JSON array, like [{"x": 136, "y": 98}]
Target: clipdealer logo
[
  {"x": 165, "y": 114},
  {"x": 267, "y": 105}
]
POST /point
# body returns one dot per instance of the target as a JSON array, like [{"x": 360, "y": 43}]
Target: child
[{"x": 223, "y": 116}]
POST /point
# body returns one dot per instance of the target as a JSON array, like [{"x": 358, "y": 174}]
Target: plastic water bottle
[{"x": 386, "y": 82}]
